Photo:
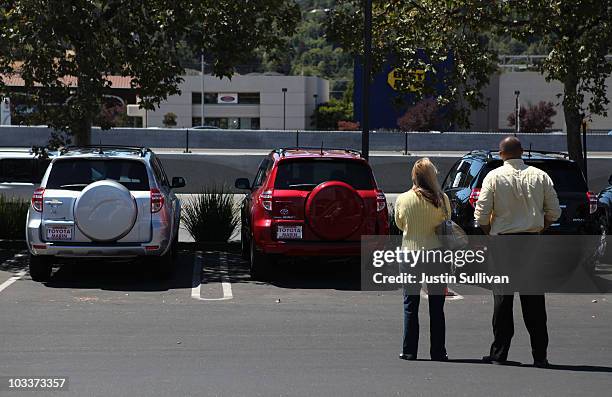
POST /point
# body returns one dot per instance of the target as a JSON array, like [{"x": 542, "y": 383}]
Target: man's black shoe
[
  {"x": 494, "y": 361},
  {"x": 409, "y": 357},
  {"x": 541, "y": 363},
  {"x": 439, "y": 358}
]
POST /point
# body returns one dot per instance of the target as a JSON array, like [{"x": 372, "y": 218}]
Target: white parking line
[
  {"x": 226, "y": 286},
  {"x": 450, "y": 296},
  {"x": 17, "y": 275}
]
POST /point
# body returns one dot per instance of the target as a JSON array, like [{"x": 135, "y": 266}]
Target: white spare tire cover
[{"x": 105, "y": 211}]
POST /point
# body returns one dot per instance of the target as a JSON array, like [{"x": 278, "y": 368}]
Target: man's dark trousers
[{"x": 534, "y": 315}]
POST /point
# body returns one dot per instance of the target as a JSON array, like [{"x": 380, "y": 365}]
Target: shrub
[
  {"x": 327, "y": 115},
  {"x": 13, "y": 213},
  {"x": 424, "y": 116},
  {"x": 534, "y": 118},
  {"x": 344, "y": 125},
  {"x": 169, "y": 119},
  {"x": 211, "y": 216}
]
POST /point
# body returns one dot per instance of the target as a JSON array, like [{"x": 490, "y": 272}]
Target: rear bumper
[
  {"x": 314, "y": 248},
  {"x": 158, "y": 245},
  {"x": 94, "y": 250}
]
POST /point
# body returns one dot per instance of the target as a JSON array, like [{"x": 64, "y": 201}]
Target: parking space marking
[
  {"x": 198, "y": 264},
  {"x": 17, "y": 275},
  {"x": 451, "y": 295}
]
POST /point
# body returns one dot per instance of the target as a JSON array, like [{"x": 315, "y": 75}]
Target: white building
[{"x": 245, "y": 102}]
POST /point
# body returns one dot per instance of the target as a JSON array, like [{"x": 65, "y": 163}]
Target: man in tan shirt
[{"x": 517, "y": 199}]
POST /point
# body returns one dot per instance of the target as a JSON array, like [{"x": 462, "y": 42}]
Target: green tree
[
  {"x": 423, "y": 34},
  {"x": 327, "y": 115},
  {"x": 53, "y": 43},
  {"x": 579, "y": 35}
]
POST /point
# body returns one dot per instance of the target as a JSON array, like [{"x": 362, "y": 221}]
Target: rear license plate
[
  {"x": 289, "y": 232},
  {"x": 59, "y": 233}
]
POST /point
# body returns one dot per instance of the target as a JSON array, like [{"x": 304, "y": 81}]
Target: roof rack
[
  {"x": 526, "y": 152},
  {"x": 282, "y": 151},
  {"x": 100, "y": 148}
]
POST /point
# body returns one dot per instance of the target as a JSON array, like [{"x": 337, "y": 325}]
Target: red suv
[{"x": 309, "y": 202}]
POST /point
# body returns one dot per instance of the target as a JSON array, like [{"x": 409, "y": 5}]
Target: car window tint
[
  {"x": 566, "y": 175},
  {"x": 42, "y": 165},
  {"x": 75, "y": 174},
  {"x": 159, "y": 172},
  {"x": 462, "y": 176},
  {"x": 163, "y": 172},
  {"x": 307, "y": 173},
  {"x": 16, "y": 170},
  {"x": 450, "y": 177},
  {"x": 262, "y": 172}
]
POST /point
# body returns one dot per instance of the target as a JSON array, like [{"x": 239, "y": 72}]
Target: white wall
[
  {"x": 534, "y": 88},
  {"x": 299, "y": 100}
]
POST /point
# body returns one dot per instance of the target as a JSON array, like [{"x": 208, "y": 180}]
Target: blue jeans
[{"x": 436, "y": 318}]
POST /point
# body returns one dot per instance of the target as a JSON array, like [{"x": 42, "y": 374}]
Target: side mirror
[
  {"x": 242, "y": 183},
  {"x": 178, "y": 181}
]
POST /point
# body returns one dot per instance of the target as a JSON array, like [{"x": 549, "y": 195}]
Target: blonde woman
[{"x": 417, "y": 213}]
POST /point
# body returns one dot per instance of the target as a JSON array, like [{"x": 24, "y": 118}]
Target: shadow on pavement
[
  {"x": 121, "y": 276},
  {"x": 308, "y": 273},
  {"x": 579, "y": 368},
  {"x": 11, "y": 263},
  {"x": 479, "y": 361},
  {"x": 559, "y": 367}
]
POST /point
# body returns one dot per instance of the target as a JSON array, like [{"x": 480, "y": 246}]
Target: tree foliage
[
  {"x": 421, "y": 34},
  {"x": 327, "y": 115},
  {"x": 51, "y": 43},
  {"x": 424, "y": 116},
  {"x": 534, "y": 118}
]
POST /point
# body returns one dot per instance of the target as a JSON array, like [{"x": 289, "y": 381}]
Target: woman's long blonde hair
[{"x": 425, "y": 181}]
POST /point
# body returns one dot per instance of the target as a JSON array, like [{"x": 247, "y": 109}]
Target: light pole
[
  {"x": 284, "y": 109},
  {"x": 202, "y": 104},
  {"x": 316, "y": 114},
  {"x": 488, "y": 114},
  {"x": 517, "y": 113},
  {"x": 367, "y": 71}
]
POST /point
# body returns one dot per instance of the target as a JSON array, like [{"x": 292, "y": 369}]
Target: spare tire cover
[
  {"x": 105, "y": 211},
  {"x": 334, "y": 210}
]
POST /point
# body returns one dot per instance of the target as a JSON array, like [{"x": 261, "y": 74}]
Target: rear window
[
  {"x": 307, "y": 173},
  {"x": 566, "y": 176},
  {"x": 17, "y": 170},
  {"x": 75, "y": 174}
]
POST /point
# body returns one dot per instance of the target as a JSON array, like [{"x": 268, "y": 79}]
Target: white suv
[{"x": 104, "y": 202}]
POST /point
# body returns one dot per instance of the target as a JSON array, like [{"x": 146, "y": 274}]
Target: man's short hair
[{"x": 510, "y": 145}]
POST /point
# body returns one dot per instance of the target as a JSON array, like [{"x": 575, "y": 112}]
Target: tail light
[
  {"x": 157, "y": 200},
  {"x": 474, "y": 194},
  {"x": 381, "y": 201},
  {"x": 266, "y": 200},
  {"x": 592, "y": 197},
  {"x": 37, "y": 199}
]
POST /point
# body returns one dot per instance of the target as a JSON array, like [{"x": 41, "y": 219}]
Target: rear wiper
[
  {"x": 73, "y": 185},
  {"x": 303, "y": 185}
]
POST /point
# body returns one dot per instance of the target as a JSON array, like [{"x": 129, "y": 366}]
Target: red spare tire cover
[{"x": 334, "y": 210}]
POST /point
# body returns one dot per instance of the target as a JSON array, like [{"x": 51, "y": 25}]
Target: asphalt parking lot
[{"x": 114, "y": 330}]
